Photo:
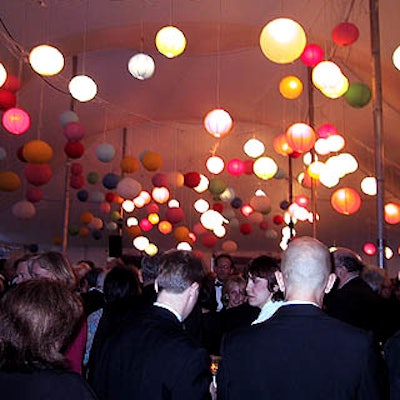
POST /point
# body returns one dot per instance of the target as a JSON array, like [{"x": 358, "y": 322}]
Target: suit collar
[{"x": 298, "y": 309}]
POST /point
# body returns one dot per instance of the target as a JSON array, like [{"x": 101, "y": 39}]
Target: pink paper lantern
[
  {"x": 145, "y": 225},
  {"x": 74, "y": 131},
  {"x": 16, "y": 121},
  {"x": 326, "y": 130},
  {"x": 312, "y": 55},
  {"x": 236, "y": 167},
  {"x": 369, "y": 249}
]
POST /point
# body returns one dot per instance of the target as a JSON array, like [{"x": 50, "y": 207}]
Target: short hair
[
  {"x": 38, "y": 319},
  {"x": 150, "y": 266},
  {"x": 178, "y": 270},
  {"x": 224, "y": 255},
  {"x": 57, "y": 264},
  {"x": 344, "y": 257},
  {"x": 265, "y": 267},
  {"x": 121, "y": 283},
  {"x": 228, "y": 284}
]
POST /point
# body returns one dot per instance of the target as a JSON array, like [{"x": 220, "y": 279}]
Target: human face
[
  {"x": 37, "y": 272},
  {"x": 223, "y": 268},
  {"x": 22, "y": 272},
  {"x": 257, "y": 291},
  {"x": 237, "y": 295}
]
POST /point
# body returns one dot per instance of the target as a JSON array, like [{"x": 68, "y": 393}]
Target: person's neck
[
  {"x": 173, "y": 301},
  {"x": 308, "y": 297}
]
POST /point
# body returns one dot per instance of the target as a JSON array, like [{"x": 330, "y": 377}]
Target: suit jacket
[
  {"x": 392, "y": 357},
  {"x": 152, "y": 359},
  {"x": 300, "y": 353}
]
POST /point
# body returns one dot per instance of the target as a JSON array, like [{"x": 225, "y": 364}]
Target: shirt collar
[
  {"x": 304, "y": 302},
  {"x": 169, "y": 308}
]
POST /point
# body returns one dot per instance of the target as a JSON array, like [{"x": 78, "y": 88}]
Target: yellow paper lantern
[
  {"x": 282, "y": 40},
  {"x": 46, "y": 60},
  {"x": 170, "y": 41},
  {"x": 265, "y": 168},
  {"x": 37, "y": 152},
  {"x": 392, "y": 213},
  {"x": 290, "y": 87}
]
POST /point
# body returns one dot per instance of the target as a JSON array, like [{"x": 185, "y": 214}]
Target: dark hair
[
  {"x": 88, "y": 262},
  {"x": 38, "y": 319},
  {"x": 348, "y": 259},
  {"x": 224, "y": 255},
  {"x": 265, "y": 267},
  {"x": 120, "y": 283},
  {"x": 178, "y": 270},
  {"x": 92, "y": 276}
]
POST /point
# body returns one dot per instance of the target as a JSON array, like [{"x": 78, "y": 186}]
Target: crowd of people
[{"x": 308, "y": 324}]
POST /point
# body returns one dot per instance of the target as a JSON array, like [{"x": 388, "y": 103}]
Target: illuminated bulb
[
  {"x": 215, "y": 165},
  {"x": 82, "y": 88},
  {"x": 388, "y": 253},
  {"x": 211, "y": 219},
  {"x": 219, "y": 231},
  {"x": 151, "y": 249},
  {"x": 141, "y": 242},
  {"x": 128, "y": 205},
  {"x": 201, "y": 205},
  {"x": 154, "y": 218},
  {"x": 46, "y": 60},
  {"x": 170, "y": 41},
  {"x": 348, "y": 162},
  {"x": 322, "y": 147},
  {"x": 173, "y": 203},
  {"x": 265, "y": 168},
  {"x": 314, "y": 169},
  {"x": 369, "y": 186},
  {"x": 184, "y": 246},
  {"x": 254, "y": 148},
  {"x": 328, "y": 176},
  {"x": 132, "y": 221},
  {"x": 335, "y": 143}
]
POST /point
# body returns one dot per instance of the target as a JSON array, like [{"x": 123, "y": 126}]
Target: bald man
[{"x": 300, "y": 352}]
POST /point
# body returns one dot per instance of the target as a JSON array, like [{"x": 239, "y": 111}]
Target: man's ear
[
  {"x": 279, "y": 278},
  {"x": 194, "y": 288},
  {"x": 330, "y": 283}
]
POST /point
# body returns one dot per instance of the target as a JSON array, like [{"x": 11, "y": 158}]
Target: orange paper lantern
[
  {"x": 346, "y": 201},
  {"x": 300, "y": 137},
  {"x": 392, "y": 213}
]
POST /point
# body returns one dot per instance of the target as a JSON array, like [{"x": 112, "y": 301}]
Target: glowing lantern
[
  {"x": 328, "y": 176},
  {"x": 141, "y": 66},
  {"x": 211, "y": 219},
  {"x": 16, "y": 121},
  {"x": 335, "y": 143},
  {"x": 145, "y": 225},
  {"x": 348, "y": 163},
  {"x": 82, "y": 88},
  {"x": 358, "y": 95},
  {"x": 201, "y": 205},
  {"x": 151, "y": 250},
  {"x": 220, "y": 231},
  {"x": 392, "y": 213},
  {"x": 141, "y": 242},
  {"x": 388, "y": 253},
  {"x": 338, "y": 90},
  {"x": 290, "y": 87},
  {"x": 160, "y": 194},
  {"x": 3, "y": 74},
  {"x": 154, "y": 218},
  {"x": 312, "y": 55},
  {"x": 246, "y": 210},
  {"x": 326, "y": 75},
  {"x": 235, "y": 167},
  {"x": 215, "y": 165},
  {"x": 218, "y": 123},
  {"x": 346, "y": 201},
  {"x": 396, "y": 57},
  {"x": 345, "y": 34},
  {"x": 170, "y": 41},
  {"x": 203, "y": 185},
  {"x": 165, "y": 227},
  {"x": 184, "y": 246},
  {"x": 46, "y": 60},
  {"x": 128, "y": 206},
  {"x": 282, "y": 40},
  {"x": 265, "y": 168},
  {"x": 314, "y": 169},
  {"x": 369, "y": 249},
  {"x": 369, "y": 186},
  {"x": 300, "y": 137},
  {"x": 326, "y": 130},
  {"x": 254, "y": 148},
  {"x": 132, "y": 221},
  {"x": 281, "y": 145},
  {"x": 302, "y": 200}
]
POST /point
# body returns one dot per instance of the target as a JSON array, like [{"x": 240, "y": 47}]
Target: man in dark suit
[
  {"x": 153, "y": 358},
  {"x": 300, "y": 352}
]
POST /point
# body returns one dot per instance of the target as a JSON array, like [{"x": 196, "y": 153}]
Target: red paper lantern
[
  {"x": 110, "y": 197},
  {"x": 74, "y": 149},
  {"x": 209, "y": 240},
  {"x": 16, "y": 121},
  {"x": 312, "y": 55},
  {"x": 174, "y": 215},
  {"x": 277, "y": 219},
  {"x": 345, "y": 34},
  {"x": 218, "y": 207},
  {"x": 191, "y": 179},
  {"x": 152, "y": 208},
  {"x": 77, "y": 181},
  {"x": 346, "y": 201},
  {"x": 264, "y": 225},
  {"x": 248, "y": 167},
  {"x": 245, "y": 229},
  {"x": 302, "y": 200},
  {"x": 20, "y": 154},
  {"x": 8, "y": 99},
  {"x": 392, "y": 213},
  {"x": 369, "y": 249},
  {"x": 38, "y": 174},
  {"x": 300, "y": 137},
  {"x": 76, "y": 168},
  {"x": 159, "y": 179},
  {"x": 12, "y": 83},
  {"x": 235, "y": 167},
  {"x": 34, "y": 195}
]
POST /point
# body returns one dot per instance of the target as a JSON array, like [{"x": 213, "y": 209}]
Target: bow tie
[{"x": 218, "y": 283}]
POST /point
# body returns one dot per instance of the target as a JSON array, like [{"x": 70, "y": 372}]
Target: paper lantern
[
  {"x": 209, "y": 240},
  {"x": 170, "y": 41},
  {"x": 254, "y": 148},
  {"x": 8, "y": 99},
  {"x": 105, "y": 207},
  {"x": 248, "y": 167},
  {"x": 290, "y": 87},
  {"x": 369, "y": 185},
  {"x": 74, "y": 150},
  {"x": 326, "y": 130},
  {"x": 86, "y": 217},
  {"x": 154, "y": 218},
  {"x": 346, "y": 201},
  {"x": 265, "y": 168},
  {"x": 302, "y": 200},
  {"x": 210, "y": 219},
  {"x": 37, "y": 152},
  {"x": 12, "y": 83},
  {"x": 9, "y": 181},
  {"x": 105, "y": 152},
  {"x": 278, "y": 219},
  {"x": 82, "y": 88},
  {"x": 160, "y": 194},
  {"x": 245, "y": 229},
  {"x": 263, "y": 225},
  {"x": 312, "y": 55},
  {"x": 46, "y": 60},
  {"x": 23, "y": 210},
  {"x": 152, "y": 208},
  {"x": 38, "y": 174},
  {"x": 34, "y": 195},
  {"x": 128, "y": 188},
  {"x": 181, "y": 233},
  {"x": 152, "y": 161},
  {"x": 77, "y": 181},
  {"x": 16, "y": 121},
  {"x": 218, "y": 123},
  {"x": 235, "y": 167},
  {"x": 174, "y": 215},
  {"x": 110, "y": 197},
  {"x": 129, "y": 164},
  {"x": 145, "y": 225},
  {"x": 203, "y": 185},
  {"x": 282, "y": 40},
  {"x": 92, "y": 177},
  {"x": 165, "y": 227},
  {"x": 218, "y": 207},
  {"x": 201, "y": 205},
  {"x": 327, "y": 75},
  {"x": 110, "y": 180},
  {"x": 314, "y": 169},
  {"x": 217, "y": 186},
  {"x": 236, "y": 202},
  {"x": 345, "y": 34},
  {"x": 97, "y": 197},
  {"x": 392, "y": 213},
  {"x": 369, "y": 249},
  {"x": 246, "y": 210},
  {"x": 281, "y": 145},
  {"x": 340, "y": 88},
  {"x": 191, "y": 179},
  {"x": 261, "y": 204},
  {"x": 358, "y": 95},
  {"x": 300, "y": 137},
  {"x": 74, "y": 131},
  {"x": 84, "y": 232},
  {"x": 3, "y": 74},
  {"x": 176, "y": 179},
  {"x": 95, "y": 224},
  {"x": 229, "y": 246},
  {"x": 215, "y": 165},
  {"x": 116, "y": 216},
  {"x": 396, "y": 57},
  {"x": 255, "y": 218},
  {"x": 82, "y": 195},
  {"x": 68, "y": 116},
  {"x": 76, "y": 168},
  {"x": 141, "y": 66},
  {"x": 151, "y": 250}
]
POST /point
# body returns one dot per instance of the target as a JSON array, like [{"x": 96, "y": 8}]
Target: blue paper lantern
[
  {"x": 68, "y": 116},
  {"x": 82, "y": 195},
  {"x": 236, "y": 202},
  {"x": 105, "y": 152},
  {"x": 110, "y": 180}
]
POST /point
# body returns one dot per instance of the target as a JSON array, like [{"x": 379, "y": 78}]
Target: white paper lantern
[
  {"x": 141, "y": 242},
  {"x": 82, "y": 88},
  {"x": 215, "y": 165},
  {"x": 201, "y": 205},
  {"x": 218, "y": 123},
  {"x": 3, "y": 74},
  {"x": 369, "y": 186},
  {"x": 105, "y": 152},
  {"x": 23, "y": 209},
  {"x": 254, "y": 148},
  {"x": 141, "y": 66},
  {"x": 46, "y": 60}
]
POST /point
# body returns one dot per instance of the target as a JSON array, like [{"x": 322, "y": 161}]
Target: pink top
[{"x": 76, "y": 349}]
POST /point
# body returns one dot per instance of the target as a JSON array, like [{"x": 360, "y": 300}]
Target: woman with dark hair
[{"x": 38, "y": 319}]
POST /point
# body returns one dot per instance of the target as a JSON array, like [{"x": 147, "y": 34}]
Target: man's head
[
  {"x": 223, "y": 266},
  {"x": 306, "y": 270},
  {"x": 347, "y": 264}
]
